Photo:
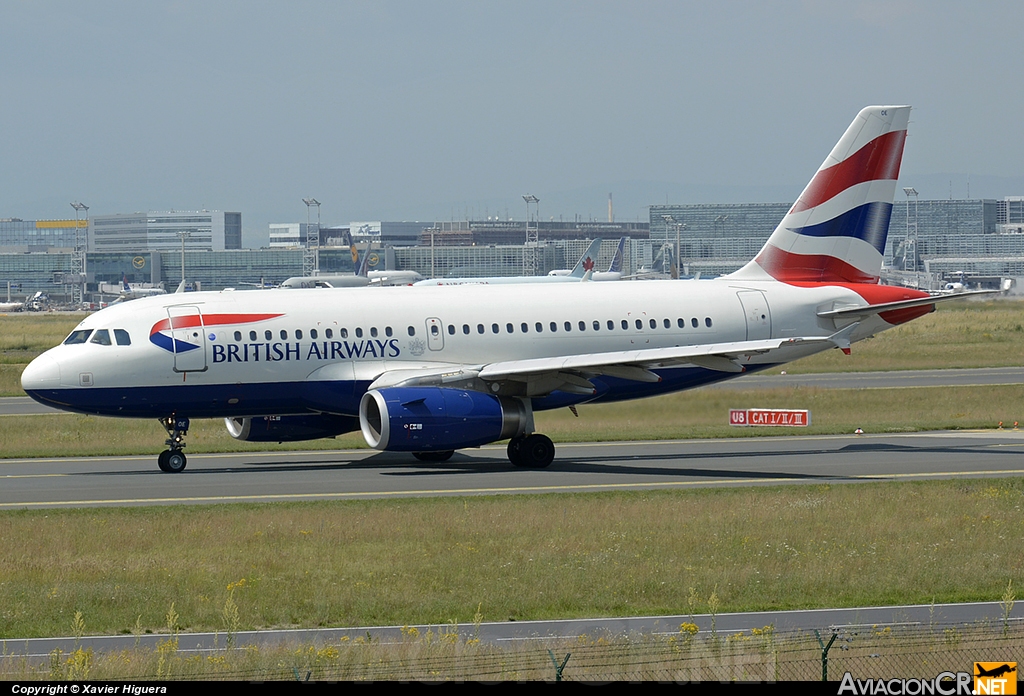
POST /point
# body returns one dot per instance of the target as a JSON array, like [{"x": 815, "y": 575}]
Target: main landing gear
[
  {"x": 173, "y": 460},
  {"x": 534, "y": 451}
]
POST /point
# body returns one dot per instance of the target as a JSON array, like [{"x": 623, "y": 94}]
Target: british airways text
[{"x": 324, "y": 350}]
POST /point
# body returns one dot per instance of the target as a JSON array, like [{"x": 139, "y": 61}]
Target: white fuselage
[{"x": 296, "y": 351}]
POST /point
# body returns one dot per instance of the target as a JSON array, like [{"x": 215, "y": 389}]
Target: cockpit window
[
  {"x": 80, "y": 336},
  {"x": 102, "y": 337},
  {"x": 122, "y": 337}
]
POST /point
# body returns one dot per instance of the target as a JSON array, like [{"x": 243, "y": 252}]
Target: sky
[{"x": 441, "y": 110}]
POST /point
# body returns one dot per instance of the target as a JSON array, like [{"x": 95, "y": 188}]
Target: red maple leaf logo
[{"x": 588, "y": 264}]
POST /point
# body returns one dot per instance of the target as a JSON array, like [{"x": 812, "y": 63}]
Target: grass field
[{"x": 518, "y": 557}]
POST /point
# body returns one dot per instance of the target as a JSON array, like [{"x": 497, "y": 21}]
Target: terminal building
[{"x": 203, "y": 230}]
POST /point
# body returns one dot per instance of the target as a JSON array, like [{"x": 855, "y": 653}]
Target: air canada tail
[{"x": 836, "y": 230}]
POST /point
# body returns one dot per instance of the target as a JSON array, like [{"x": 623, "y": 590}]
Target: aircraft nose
[{"x": 41, "y": 373}]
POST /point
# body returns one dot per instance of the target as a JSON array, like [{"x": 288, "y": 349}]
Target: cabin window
[
  {"x": 625, "y": 324},
  {"x": 524, "y": 327},
  {"x": 268, "y": 334},
  {"x": 583, "y": 326},
  {"x": 284, "y": 335},
  {"x": 539, "y": 327},
  {"x": 597, "y": 325},
  {"x": 611, "y": 325},
  {"x": 389, "y": 333},
  {"x": 707, "y": 322},
  {"x": 122, "y": 337},
  {"x": 77, "y": 337},
  {"x": 328, "y": 333},
  {"x": 693, "y": 322},
  {"x": 553, "y": 327},
  {"x": 639, "y": 324},
  {"x": 412, "y": 330},
  {"x": 343, "y": 333},
  {"x": 373, "y": 332},
  {"x": 312, "y": 334},
  {"x": 509, "y": 328},
  {"x": 359, "y": 332},
  {"x": 252, "y": 335},
  {"x": 238, "y": 335},
  {"x": 451, "y": 329},
  {"x": 101, "y": 337},
  {"x": 465, "y": 329},
  {"x": 298, "y": 333},
  {"x": 479, "y": 328},
  {"x": 654, "y": 323},
  {"x": 680, "y": 323},
  {"x": 494, "y": 328},
  {"x": 434, "y": 331},
  {"x": 667, "y": 323}
]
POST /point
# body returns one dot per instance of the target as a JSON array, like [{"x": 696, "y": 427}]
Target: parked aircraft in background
[
  {"x": 362, "y": 277},
  {"x": 584, "y": 266},
  {"x": 430, "y": 370},
  {"x": 614, "y": 271},
  {"x": 130, "y": 293}
]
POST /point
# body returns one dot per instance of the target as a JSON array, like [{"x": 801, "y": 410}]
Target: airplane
[
  {"x": 362, "y": 277},
  {"x": 582, "y": 270},
  {"x": 614, "y": 271},
  {"x": 431, "y": 370},
  {"x": 130, "y": 293}
]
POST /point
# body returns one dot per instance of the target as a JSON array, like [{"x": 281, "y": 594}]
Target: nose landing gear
[{"x": 173, "y": 460}]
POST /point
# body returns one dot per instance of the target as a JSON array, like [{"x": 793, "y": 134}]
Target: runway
[{"x": 358, "y": 474}]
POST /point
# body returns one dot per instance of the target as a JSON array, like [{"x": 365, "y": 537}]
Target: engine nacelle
[
  {"x": 424, "y": 419},
  {"x": 290, "y": 428}
]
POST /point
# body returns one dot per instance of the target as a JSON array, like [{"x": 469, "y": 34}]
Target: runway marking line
[{"x": 513, "y": 489}]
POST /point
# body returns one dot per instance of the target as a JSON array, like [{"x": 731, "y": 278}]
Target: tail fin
[
  {"x": 836, "y": 230},
  {"x": 586, "y": 262},
  {"x": 124, "y": 283},
  {"x": 616, "y": 265},
  {"x": 363, "y": 268}
]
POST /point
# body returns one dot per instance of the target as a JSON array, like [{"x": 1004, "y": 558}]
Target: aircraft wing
[{"x": 535, "y": 377}]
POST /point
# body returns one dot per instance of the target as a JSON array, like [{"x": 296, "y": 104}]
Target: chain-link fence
[{"x": 865, "y": 652}]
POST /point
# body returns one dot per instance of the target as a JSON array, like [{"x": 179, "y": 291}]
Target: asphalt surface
[{"x": 353, "y": 474}]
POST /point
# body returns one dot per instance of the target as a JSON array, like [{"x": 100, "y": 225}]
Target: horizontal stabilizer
[{"x": 871, "y": 310}]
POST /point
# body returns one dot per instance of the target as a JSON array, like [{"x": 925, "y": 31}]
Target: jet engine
[
  {"x": 290, "y": 428},
  {"x": 425, "y": 419}
]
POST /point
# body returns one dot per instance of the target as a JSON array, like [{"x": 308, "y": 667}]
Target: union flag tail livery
[
  {"x": 836, "y": 230},
  {"x": 430, "y": 370}
]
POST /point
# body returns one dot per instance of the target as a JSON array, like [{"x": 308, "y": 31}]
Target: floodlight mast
[
  {"x": 532, "y": 237},
  {"x": 184, "y": 234},
  {"x": 311, "y": 255},
  {"x": 78, "y": 257},
  {"x": 910, "y": 242}
]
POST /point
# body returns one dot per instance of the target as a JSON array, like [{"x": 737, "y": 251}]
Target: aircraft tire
[
  {"x": 162, "y": 460},
  {"x": 176, "y": 462},
  {"x": 536, "y": 451},
  {"x": 515, "y": 446},
  {"x": 440, "y": 456}
]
